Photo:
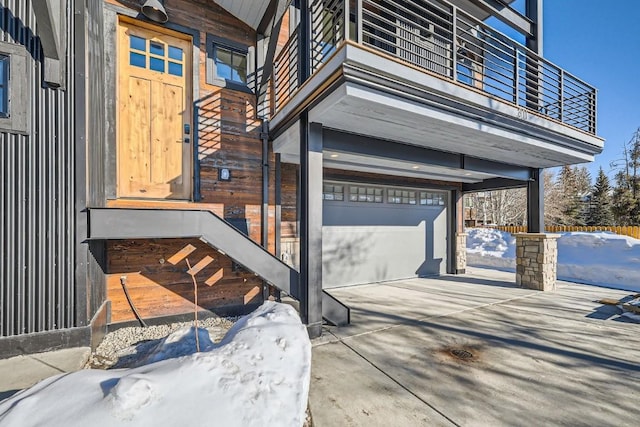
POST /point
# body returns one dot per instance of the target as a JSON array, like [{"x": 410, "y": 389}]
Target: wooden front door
[{"x": 154, "y": 110}]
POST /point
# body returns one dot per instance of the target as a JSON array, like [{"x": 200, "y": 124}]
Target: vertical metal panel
[
  {"x": 36, "y": 193},
  {"x": 96, "y": 150}
]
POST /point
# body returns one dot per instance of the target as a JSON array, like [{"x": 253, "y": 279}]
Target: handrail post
[
  {"x": 359, "y": 21},
  {"x": 561, "y": 96},
  {"x": 516, "y": 74},
  {"x": 346, "y": 20},
  {"x": 304, "y": 42},
  {"x": 592, "y": 110},
  {"x": 454, "y": 44}
]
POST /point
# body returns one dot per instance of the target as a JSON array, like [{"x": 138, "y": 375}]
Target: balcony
[{"x": 434, "y": 54}]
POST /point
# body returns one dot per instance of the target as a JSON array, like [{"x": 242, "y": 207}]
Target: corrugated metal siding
[{"x": 37, "y": 195}]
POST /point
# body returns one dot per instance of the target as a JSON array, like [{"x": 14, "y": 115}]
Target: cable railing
[{"x": 442, "y": 39}]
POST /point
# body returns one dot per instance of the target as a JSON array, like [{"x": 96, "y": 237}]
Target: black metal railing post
[
  {"x": 347, "y": 19},
  {"x": 561, "y": 96},
  {"x": 454, "y": 43},
  {"x": 304, "y": 42},
  {"x": 359, "y": 21}
]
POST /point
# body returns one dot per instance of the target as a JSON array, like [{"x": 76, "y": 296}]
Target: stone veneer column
[
  {"x": 536, "y": 260},
  {"x": 461, "y": 253}
]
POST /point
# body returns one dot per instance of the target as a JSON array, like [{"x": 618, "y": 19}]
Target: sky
[{"x": 599, "y": 42}]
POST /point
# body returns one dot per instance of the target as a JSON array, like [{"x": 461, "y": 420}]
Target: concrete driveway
[{"x": 556, "y": 358}]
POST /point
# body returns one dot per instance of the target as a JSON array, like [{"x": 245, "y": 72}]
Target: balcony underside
[{"x": 360, "y": 91}]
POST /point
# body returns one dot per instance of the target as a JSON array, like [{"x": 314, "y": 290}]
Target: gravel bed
[{"x": 122, "y": 347}]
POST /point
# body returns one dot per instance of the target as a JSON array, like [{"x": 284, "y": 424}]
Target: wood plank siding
[
  {"x": 228, "y": 137},
  {"x": 159, "y": 284}
]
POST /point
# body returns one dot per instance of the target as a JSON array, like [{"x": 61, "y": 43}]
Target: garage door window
[
  {"x": 432, "y": 199},
  {"x": 333, "y": 192},
  {"x": 365, "y": 194},
  {"x": 402, "y": 197}
]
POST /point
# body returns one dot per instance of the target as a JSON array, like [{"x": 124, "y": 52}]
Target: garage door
[{"x": 374, "y": 234}]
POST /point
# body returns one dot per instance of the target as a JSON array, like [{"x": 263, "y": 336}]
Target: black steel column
[
  {"x": 264, "y": 222},
  {"x": 310, "y": 194},
  {"x": 535, "y": 202},
  {"x": 311, "y": 225},
  {"x": 304, "y": 43},
  {"x": 278, "y": 214},
  {"x": 534, "y": 13}
]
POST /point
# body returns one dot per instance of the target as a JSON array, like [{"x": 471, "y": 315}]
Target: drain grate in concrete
[{"x": 461, "y": 354}]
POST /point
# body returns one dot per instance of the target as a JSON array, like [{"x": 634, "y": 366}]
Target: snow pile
[
  {"x": 602, "y": 258},
  {"x": 488, "y": 247},
  {"x": 258, "y": 375}
]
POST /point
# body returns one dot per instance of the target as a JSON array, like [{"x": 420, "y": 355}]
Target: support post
[
  {"x": 304, "y": 43},
  {"x": 535, "y": 202},
  {"x": 534, "y": 42},
  {"x": 278, "y": 214},
  {"x": 311, "y": 225},
  {"x": 458, "y": 245},
  {"x": 534, "y": 13},
  {"x": 264, "y": 222},
  {"x": 537, "y": 261}
]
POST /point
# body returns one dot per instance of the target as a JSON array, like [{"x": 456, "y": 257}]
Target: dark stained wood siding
[
  {"x": 229, "y": 137},
  {"x": 159, "y": 288}
]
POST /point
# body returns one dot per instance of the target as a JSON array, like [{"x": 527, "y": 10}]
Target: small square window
[
  {"x": 156, "y": 48},
  {"x": 333, "y": 192},
  {"x": 231, "y": 65},
  {"x": 365, "y": 194},
  {"x": 156, "y": 64}
]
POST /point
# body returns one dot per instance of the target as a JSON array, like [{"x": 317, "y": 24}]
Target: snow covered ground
[
  {"x": 603, "y": 258},
  {"x": 258, "y": 375}
]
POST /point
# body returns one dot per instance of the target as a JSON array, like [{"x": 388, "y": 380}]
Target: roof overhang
[{"x": 252, "y": 12}]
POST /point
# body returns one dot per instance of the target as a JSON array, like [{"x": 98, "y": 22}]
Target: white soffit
[{"x": 250, "y": 12}]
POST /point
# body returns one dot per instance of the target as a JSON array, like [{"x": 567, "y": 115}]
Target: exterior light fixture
[
  {"x": 333, "y": 156},
  {"x": 154, "y": 10},
  {"x": 415, "y": 167},
  {"x": 224, "y": 174}
]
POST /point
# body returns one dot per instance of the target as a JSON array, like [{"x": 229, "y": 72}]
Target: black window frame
[
  {"x": 5, "y": 64},
  {"x": 213, "y": 78}
]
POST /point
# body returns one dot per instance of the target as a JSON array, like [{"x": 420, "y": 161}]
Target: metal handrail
[{"x": 440, "y": 38}]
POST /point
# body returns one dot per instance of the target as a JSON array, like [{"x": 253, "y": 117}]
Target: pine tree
[
  {"x": 626, "y": 196},
  {"x": 570, "y": 204},
  {"x": 583, "y": 194},
  {"x": 600, "y": 212},
  {"x": 553, "y": 199},
  {"x": 623, "y": 201}
]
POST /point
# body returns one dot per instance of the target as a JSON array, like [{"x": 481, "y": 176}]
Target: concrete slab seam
[{"x": 402, "y": 386}]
